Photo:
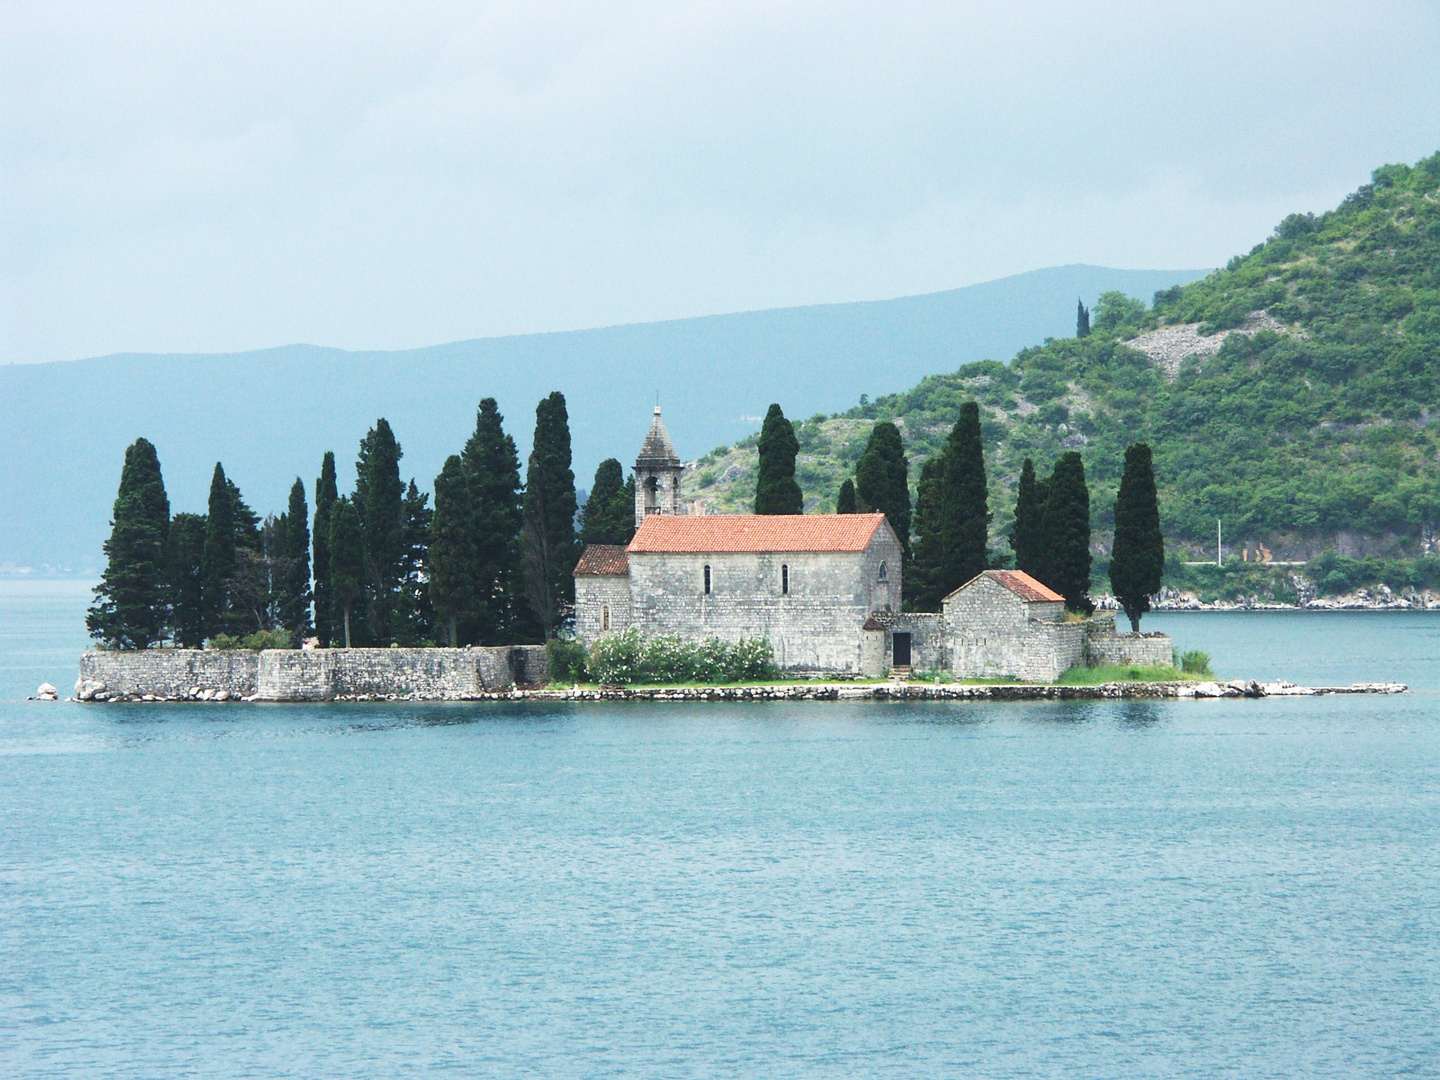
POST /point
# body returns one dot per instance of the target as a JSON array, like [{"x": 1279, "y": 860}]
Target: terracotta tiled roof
[
  {"x": 603, "y": 560},
  {"x": 756, "y": 532},
  {"x": 1020, "y": 583}
]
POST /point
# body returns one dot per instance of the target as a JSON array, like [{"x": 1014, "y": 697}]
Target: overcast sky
[{"x": 178, "y": 177}]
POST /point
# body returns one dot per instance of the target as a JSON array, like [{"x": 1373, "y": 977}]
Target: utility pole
[{"x": 1219, "y": 543}]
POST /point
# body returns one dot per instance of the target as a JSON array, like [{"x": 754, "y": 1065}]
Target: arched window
[
  {"x": 785, "y": 579},
  {"x": 882, "y": 572},
  {"x": 707, "y": 580},
  {"x": 605, "y": 617}
]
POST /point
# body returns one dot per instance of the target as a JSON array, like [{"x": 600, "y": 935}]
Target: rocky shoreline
[
  {"x": 1381, "y": 598},
  {"x": 892, "y": 691}
]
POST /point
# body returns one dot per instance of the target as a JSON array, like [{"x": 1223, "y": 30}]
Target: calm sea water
[{"x": 1220, "y": 888}]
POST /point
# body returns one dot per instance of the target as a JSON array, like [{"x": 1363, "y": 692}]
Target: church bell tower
[{"x": 657, "y": 474}]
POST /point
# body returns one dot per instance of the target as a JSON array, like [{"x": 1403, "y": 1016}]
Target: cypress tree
[
  {"x": 1067, "y": 533},
  {"x": 1137, "y": 560},
  {"x": 1027, "y": 536},
  {"x": 295, "y": 585},
  {"x": 1082, "y": 319},
  {"x": 922, "y": 577},
  {"x": 453, "y": 558},
  {"x": 217, "y": 564},
  {"x": 325, "y": 495},
  {"x": 419, "y": 617},
  {"x": 882, "y": 479},
  {"x": 608, "y": 516},
  {"x": 964, "y": 504},
  {"x": 131, "y": 601},
  {"x": 249, "y": 535},
  {"x": 776, "y": 491},
  {"x": 347, "y": 564},
  {"x": 551, "y": 547},
  {"x": 185, "y": 555},
  {"x": 499, "y": 614},
  {"x": 379, "y": 500},
  {"x": 845, "y": 501}
]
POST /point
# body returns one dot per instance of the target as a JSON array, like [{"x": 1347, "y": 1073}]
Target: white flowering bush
[{"x": 623, "y": 659}]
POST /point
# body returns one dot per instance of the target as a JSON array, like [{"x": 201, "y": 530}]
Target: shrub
[
  {"x": 622, "y": 659},
  {"x": 260, "y": 639},
  {"x": 1195, "y": 662},
  {"x": 565, "y": 660}
]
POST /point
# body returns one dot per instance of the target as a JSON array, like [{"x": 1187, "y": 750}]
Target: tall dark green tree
[
  {"x": 551, "y": 546},
  {"x": 882, "y": 479},
  {"x": 964, "y": 503},
  {"x": 1027, "y": 535},
  {"x": 776, "y": 491},
  {"x": 326, "y": 493},
  {"x": 249, "y": 530},
  {"x": 845, "y": 502},
  {"x": 1137, "y": 561},
  {"x": 923, "y": 575},
  {"x": 185, "y": 554},
  {"x": 347, "y": 565},
  {"x": 455, "y": 575},
  {"x": 418, "y": 618},
  {"x": 131, "y": 601},
  {"x": 217, "y": 565},
  {"x": 295, "y": 595},
  {"x": 608, "y": 516},
  {"x": 500, "y": 614},
  {"x": 1082, "y": 319},
  {"x": 1067, "y": 533},
  {"x": 379, "y": 499}
]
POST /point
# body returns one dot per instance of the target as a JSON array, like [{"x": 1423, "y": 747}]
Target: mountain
[
  {"x": 270, "y": 415},
  {"x": 1294, "y": 393}
]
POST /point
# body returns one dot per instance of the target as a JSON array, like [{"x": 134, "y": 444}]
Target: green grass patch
[{"x": 1113, "y": 673}]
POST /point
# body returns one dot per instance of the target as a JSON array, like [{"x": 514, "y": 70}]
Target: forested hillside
[{"x": 1293, "y": 393}]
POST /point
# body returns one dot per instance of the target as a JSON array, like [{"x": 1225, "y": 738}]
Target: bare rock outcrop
[{"x": 1169, "y": 346}]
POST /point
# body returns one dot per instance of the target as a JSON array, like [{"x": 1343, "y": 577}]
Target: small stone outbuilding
[{"x": 1005, "y": 624}]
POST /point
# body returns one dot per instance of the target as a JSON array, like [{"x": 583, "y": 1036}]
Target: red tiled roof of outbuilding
[
  {"x": 603, "y": 560},
  {"x": 1020, "y": 583},
  {"x": 756, "y": 532}
]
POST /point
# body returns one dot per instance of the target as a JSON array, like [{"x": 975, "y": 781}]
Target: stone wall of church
[
  {"x": 599, "y": 600},
  {"x": 816, "y": 625}
]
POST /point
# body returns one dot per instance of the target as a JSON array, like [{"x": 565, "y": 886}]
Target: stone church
[{"x": 823, "y": 588}]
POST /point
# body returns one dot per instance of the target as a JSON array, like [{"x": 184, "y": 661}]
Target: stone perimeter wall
[
  {"x": 313, "y": 675},
  {"x": 1140, "y": 650}
]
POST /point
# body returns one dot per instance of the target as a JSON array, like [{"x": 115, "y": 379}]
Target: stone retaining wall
[
  {"x": 169, "y": 672},
  {"x": 1141, "y": 650},
  {"x": 310, "y": 675}
]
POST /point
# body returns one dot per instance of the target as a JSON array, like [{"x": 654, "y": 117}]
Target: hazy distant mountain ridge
[
  {"x": 270, "y": 415},
  {"x": 1294, "y": 393}
]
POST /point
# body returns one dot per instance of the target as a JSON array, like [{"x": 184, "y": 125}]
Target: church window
[
  {"x": 785, "y": 579},
  {"x": 605, "y": 617},
  {"x": 882, "y": 572},
  {"x": 707, "y": 580}
]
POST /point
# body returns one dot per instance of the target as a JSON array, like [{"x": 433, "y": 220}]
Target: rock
[
  {"x": 207, "y": 695},
  {"x": 46, "y": 692},
  {"x": 223, "y": 695}
]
